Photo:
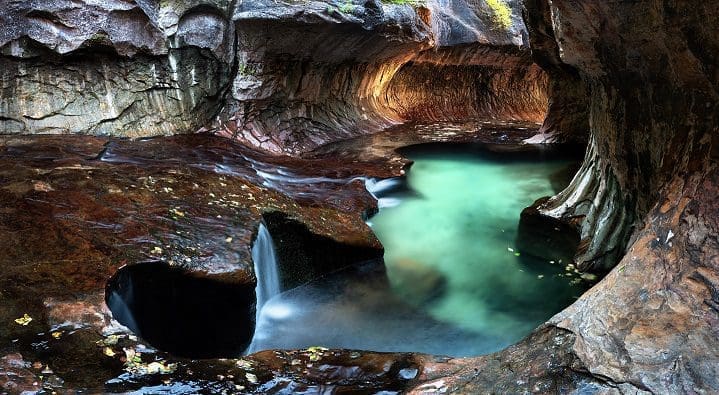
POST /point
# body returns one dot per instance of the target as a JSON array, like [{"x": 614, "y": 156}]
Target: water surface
[
  {"x": 459, "y": 224},
  {"x": 453, "y": 281}
]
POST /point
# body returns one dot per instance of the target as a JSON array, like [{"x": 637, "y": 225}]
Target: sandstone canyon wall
[
  {"x": 645, "y": 202},
  {"x": 112, "y": 68},
  {"x": 650, "y": 179},
  {"x": 641, "y": 76},
  {"x": 652, "y": 110},
  {"x": 282, "y": 77}
]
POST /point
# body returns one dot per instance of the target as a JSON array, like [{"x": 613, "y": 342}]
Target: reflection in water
[{"x": 454, "y": 283}]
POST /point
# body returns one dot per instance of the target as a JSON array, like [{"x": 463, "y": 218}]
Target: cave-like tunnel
[{"x": 359, "y": 196}]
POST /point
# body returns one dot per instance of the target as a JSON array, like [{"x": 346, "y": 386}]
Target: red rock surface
[{"x": 77, "y": 209}]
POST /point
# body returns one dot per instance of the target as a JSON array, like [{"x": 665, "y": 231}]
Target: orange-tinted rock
[{"x": 645, "y": 202}]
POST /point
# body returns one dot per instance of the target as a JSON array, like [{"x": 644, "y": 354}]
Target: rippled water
[{"x": 454, "y": 283}]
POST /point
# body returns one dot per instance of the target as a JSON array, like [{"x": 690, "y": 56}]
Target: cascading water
[
  {"x": 268, "y": 280},
  {"x": 452, "y": 280},
  {"x": 379, "y": 187},
  {"x": 265, "y": 260}
]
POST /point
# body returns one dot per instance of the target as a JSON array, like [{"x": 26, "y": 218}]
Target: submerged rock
[
  {"x": 416, "y": 283},
  {"x": 179, "y": 212},
  {"x": 640, "y": 76},
  {"x": 552, "y": 240}
]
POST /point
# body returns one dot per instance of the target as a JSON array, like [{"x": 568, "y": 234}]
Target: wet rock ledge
[{"x": 77, "y": 209}]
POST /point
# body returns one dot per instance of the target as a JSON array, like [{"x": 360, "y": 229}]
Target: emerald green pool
[
  {"x": 459, "y": 223},
  {"x": 453, "y": 281}
]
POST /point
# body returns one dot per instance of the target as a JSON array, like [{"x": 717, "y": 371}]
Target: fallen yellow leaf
[{"x": 24, "y": 320}]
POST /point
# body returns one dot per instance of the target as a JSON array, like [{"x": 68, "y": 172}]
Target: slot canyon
[{"x": 359, "y": 196}]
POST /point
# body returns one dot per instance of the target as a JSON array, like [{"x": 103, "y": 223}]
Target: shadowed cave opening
[
  {"x": 185, "y": 314},
  {"x": 196, "y": 316}
]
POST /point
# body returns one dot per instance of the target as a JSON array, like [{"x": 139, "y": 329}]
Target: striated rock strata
[
  {"x": 650, "y": 173},
  {"x": 112, "y": 68},
  {"x": 284, "y": 77},
  {"x": 641, "y": 76},
  {"x": 314, "y": 73}
]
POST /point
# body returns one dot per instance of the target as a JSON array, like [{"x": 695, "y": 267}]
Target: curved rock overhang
[
  {"x": 428, "y": 92},
  {"x": 654, "y": 109},
  {"x": 282, "y": 77},
  {"x": 640, "y": 137},
  {"x": 315, "y": 73},
  {"x": 646, "y": 195}
]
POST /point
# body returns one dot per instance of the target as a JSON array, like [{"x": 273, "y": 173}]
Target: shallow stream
[{"x": 452, "y": 281}]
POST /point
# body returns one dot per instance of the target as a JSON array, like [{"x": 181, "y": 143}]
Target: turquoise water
[
  {"x": 452, "y": 281},
  {"x": 450, "y": 243}
]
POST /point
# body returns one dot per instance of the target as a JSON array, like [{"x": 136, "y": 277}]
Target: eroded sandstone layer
[
  {"x": 315, "y": 72},
  {"x": 285, "y": 77},
  {"x": 112, "y": 68}
]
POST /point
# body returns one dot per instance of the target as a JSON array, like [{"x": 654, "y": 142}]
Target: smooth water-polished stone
[{"x": 77, "y": 209}]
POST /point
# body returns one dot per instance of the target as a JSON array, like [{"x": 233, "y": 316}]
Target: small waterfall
[
  {"x": 379, "y": 187},
  {"x": 266, "y": 271},
  {"x": 120, "y": 307},
  {"x": 268, "y": 281}
]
